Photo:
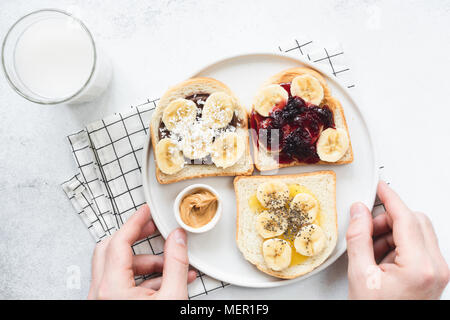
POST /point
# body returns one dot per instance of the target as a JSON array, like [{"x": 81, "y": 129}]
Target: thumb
[
  {"x": 359, "y": 240},
  {"x": 176, "y": 265}
]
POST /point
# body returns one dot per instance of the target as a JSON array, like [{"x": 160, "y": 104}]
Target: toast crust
[
  {"x": 333, "y": 104},
  {"x": 262, "y": 267},
  {"x": 185, "y": 89}
]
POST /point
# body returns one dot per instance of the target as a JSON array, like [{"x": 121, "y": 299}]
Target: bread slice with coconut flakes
[{"x": 244, "y": 166}]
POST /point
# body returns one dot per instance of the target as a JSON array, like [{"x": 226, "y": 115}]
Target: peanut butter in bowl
[{"x": 197, "y": 208}]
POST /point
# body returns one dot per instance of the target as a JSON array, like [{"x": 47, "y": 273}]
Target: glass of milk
[{"x": 50, "y": 57}]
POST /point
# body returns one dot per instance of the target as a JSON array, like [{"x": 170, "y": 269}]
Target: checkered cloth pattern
[{"x": 107, "y": 190}]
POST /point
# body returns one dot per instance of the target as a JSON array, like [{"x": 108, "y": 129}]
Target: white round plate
[{"x": 215, "y": 252}]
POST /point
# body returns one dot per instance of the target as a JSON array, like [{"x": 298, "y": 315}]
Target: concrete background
[{"x": 399, "y": 53}]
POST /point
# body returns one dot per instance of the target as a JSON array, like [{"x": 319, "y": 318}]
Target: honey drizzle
[{"x": 294, "y": 189}]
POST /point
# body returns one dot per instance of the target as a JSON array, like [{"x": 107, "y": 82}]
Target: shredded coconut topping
[{"x": 197, "y": 138}]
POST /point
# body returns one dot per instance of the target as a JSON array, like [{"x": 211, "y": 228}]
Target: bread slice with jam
[{"x": 296, "y": 132}]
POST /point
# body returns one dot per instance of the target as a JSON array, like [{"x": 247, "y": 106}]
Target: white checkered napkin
[
  {"x": 100, "y": 224},
  {"x": 331, "y": 58},
  {"x": 86, "y": 190},
  {"x": 118, "y": 144},
  {"x": 108, "y": 188}
]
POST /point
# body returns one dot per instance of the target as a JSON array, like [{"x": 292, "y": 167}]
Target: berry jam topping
[{"x": 292, "y": 129}]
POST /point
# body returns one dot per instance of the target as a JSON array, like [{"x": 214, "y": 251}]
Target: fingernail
[
  {"x": 357, "y": 210},
  {"x": 180, "y": 237}
]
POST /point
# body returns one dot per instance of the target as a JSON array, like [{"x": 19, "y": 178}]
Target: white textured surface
[{"x": 152, "y": 44}]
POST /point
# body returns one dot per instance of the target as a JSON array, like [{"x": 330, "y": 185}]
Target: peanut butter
[{"x": 198, "y": 208}]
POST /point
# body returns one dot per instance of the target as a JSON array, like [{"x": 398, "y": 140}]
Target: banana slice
[
  {"x": 179, "y": 114},
  {"x": 197, "y": 141},
  {"x": 168, "y": 156},
  {"x": 273, "y": 194},
  {"x": 308, "y": 88},
  {"x": 307, "y": 205},
  {"x": 310, "y": 240},
  {"x": 270, "y": 225},
  {"x": 277, "y": 254},
  {"x": 227, "y": 149},
  {"x": 218, "y": 110},
  {"x": 332, "y": 144},
  {"x": 268, "y": 98}
]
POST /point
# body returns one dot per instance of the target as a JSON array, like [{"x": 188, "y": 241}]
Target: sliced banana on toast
[
  {"x": 307, "y": 205},
  {"x": 273, "y": 194},
  {"x": 269, "y": 224},
  {"x": 195, "y": 114},
  {"x": 218, "y": 110},
  {"x": 179, "y": 113},
  {"x": 227, "y": 149},
  {"x": 168, "y": 156},
  {"x": 269, "y": 97},
  {"x": 308, "y": 88},
  {"x": 277, "y": 254},
  {"x": 332, "y": 144},
  {"x": 310, "y": 240}
]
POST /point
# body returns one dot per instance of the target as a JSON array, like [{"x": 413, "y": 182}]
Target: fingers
[
  {"x": 147, "y": 263},
  {"x": 392, "y": 202},
  {"x": 147, "y": 230},
  {"x": 192, "y": 275},
  {"x": 132, "y": 230},
  {"x": 119, "y": 255},
  {"x": 388, "y": 259},
  {"x": 98, "y": 259},
  {"x": 359, "y": 239},
  {"x": 98, "y": 266},
  {"x": 176, "y": 264},
  {"x": 381, "y": 224},
  {"x": 155, "y": 283},
  {"x": 406, "y": 231},
  {"x": 382, "y": 245},
  {"x": 431, "y": 242}
]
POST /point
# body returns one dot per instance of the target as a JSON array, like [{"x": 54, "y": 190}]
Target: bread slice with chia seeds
[{"x": 321, "y": 183}]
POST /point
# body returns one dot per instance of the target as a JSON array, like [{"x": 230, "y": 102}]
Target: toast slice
[
  {"x": 190, "y": 87},
  {"x": 264, "y": 160},
  {"x": 321, "y": 183}
]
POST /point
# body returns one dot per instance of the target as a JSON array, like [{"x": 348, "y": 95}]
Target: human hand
[
  {"x": 114, "y": 265},
  {"x": 410, "y": 264}
]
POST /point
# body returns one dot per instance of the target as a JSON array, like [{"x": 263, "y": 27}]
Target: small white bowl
[{"x": 191, "y": 189}]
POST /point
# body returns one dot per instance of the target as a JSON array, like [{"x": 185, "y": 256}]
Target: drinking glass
[{"x": 50, "y": 57}]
